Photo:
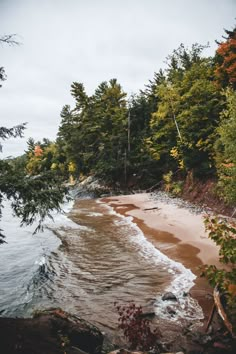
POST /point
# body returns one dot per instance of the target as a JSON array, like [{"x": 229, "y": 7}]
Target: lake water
[{"x": 84, "y": 262}]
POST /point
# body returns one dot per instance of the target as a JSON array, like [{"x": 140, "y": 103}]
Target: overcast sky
[{"x": 91, "y": 41}]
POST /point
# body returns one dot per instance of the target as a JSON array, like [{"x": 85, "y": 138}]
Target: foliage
[
  {"x": 32, "y": 197},
  {"x": 225, "y": 153},
  {"x": 187, "y": 113},
  {"x": 170, "y": 186},
  {"x": 94, "y": 134},
  {"x": 226, "y": 60},
  {"x": 167, "y": 178},
  {"x": 137, "y": 329},
  {"x": 6, "y": 133},
  {"x": 177, "y": 188},
  {"x": 224, "y": 235}
]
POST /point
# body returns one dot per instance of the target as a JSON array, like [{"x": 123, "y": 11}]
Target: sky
[{"x": 91, "y": 41}]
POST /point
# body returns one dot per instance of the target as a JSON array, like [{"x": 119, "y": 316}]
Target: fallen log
[{"x": 221, "y": 311}]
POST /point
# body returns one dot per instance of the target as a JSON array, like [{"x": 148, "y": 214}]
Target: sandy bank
[
  {"x": 176, "y": 231},
  {"x": 180, "y": 225}
]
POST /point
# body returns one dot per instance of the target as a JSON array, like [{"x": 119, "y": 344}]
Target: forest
[{"x": 183, "y": 122}]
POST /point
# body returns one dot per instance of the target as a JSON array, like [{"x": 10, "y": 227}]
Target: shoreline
[{"x": 175, "y": 231}]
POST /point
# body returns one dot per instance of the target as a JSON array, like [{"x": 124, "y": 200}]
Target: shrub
[
  {"x": 224, "y": 235},
  {"x": 137, "y": 329}
]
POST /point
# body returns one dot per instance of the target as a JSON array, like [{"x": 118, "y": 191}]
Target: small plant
[
  {"x": 137, "y": 329},
  {"x": 224, "y": 235},
  {"x": 167, "y": 178},
  {"x": 64, "y": 342},
  {"x": 170, "y": 186},
  {"x": 177, "y": 188}
]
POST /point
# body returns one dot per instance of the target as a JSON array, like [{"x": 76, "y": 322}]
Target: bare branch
[{"x": 9, "y": 39}]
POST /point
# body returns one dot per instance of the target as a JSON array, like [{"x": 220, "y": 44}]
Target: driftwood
[
  {"x": 222, "y": 312},
  {"x": 210, "y": 317},
  {"x": 151, "y": 208}
]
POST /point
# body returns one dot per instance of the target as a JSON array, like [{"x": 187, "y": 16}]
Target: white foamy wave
[
  {"x": 185, "y": 309},
  {"x": 183, "y": 279},
  {"x": 111, "y": 211},
  {"x": 67, "y": 206},
  {"x": 41, "y": 261},
  {"x": 94, "y": 214}
]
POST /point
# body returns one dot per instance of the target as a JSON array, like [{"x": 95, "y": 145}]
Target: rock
[
  {"x": 91, "y": 186},
  {"x": 150, "y": 314},
  {"x": 53, "y": 331},
  {"x": 124, "y": 351},
  {"x": 169, "y": 296},
  {"x": 170, "y": 310},
  {"x": 219, "y": 345}
]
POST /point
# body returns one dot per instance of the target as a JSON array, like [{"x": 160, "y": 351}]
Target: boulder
[
  {"x": 51, "y": 331},
  {"x": 169, "y": 296}
]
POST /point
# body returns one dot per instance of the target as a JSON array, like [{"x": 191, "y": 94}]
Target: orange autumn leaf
[{"x": 38, "y": 151}]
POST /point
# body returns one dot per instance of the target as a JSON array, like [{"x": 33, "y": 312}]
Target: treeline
[{"x": 183, "y": 121}]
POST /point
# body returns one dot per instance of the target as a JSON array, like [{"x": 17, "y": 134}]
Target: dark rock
[
  {"x": 150, "y": 314},
  {"x": 170, "y": 310},
  {"x": 169, "y": 296},
  {"x": 219, "y": 345},
  {"x": 52, "y": 331}
]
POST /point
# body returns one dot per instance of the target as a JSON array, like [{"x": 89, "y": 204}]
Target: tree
[
  {"x": 187, "y": 112},
  {"x": 225, "y": 153},
  {"x": 93, "y": 135},
  {"x": 226, "y": 60},
  {"x": 9, "y": 39},
  {"x": 32, "y": 197}
]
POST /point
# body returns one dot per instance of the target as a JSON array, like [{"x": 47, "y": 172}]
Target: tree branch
[{"x": 9, "y": 39}]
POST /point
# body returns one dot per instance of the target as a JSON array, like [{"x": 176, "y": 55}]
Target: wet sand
[{"x": 175, "y": 231}]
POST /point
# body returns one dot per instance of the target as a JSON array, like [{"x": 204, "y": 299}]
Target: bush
[
  {"x": 137, "y": 329},
  {"x": 224, "y": 235}
]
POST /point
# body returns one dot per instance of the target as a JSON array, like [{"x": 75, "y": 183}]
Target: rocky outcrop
[
  {"x": 53, "y": 331},
  {"x": 93, "y": 187}
]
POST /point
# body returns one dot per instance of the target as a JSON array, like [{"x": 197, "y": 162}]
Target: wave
[{"x": 186, "y": 308}]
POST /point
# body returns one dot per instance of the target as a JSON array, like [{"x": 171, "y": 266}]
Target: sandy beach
[{"x": 177, "y": 232}]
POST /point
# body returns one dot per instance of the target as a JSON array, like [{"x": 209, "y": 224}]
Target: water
[{"x": 84, "y": 264}]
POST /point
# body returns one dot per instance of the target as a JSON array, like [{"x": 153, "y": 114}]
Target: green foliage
[
  {"x": 167, "y": 178},
  {"x": 173, "y": 187},
  {"x": 94, "y": 134},
  {"x": 187, "y": 113},
  {"x": 33, "y": 197},
  {"x": 224, "y": 235},
  {"x": 225, "y": 152},
  {"x": 177, "y": 188}
]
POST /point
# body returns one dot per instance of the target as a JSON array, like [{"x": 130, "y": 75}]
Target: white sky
[{"x": 91, "y": 41}]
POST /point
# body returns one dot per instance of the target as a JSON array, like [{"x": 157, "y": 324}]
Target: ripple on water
[{"x": 103, "y": 258}]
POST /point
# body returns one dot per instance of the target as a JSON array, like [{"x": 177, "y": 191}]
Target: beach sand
[{"x": 177, "y": 232}]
